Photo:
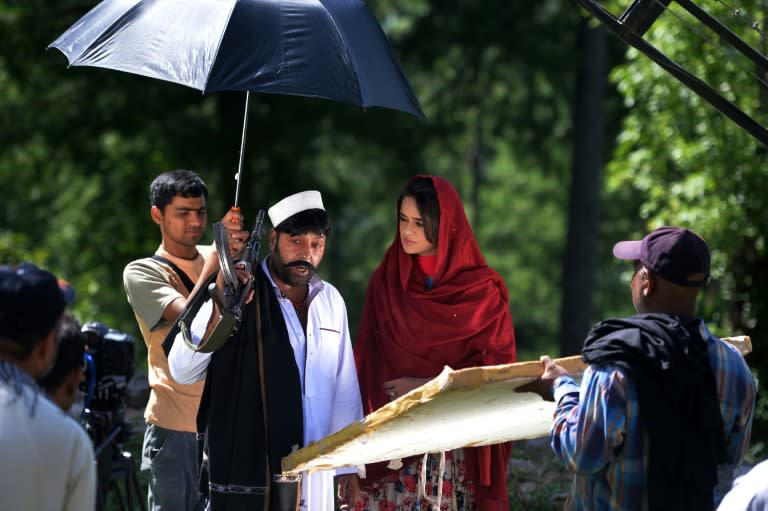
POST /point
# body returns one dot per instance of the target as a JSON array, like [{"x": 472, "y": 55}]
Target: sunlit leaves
[{"x": 695, "y": 167}]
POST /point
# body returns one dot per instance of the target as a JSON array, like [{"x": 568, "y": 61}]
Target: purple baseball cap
[{"x": 674, "y": 253}]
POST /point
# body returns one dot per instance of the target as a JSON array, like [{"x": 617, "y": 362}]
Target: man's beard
[{"x": 283, "y": 270}]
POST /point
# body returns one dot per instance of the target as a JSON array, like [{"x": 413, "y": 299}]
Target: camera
[
  {"x": 110, "y": 363},
  {"x": 109, "y": 366}
]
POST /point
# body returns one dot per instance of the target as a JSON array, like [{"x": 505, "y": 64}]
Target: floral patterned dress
[{"x": 400, "y": 490}]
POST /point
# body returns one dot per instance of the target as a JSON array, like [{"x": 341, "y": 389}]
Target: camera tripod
[{"x": 117, "y": 472}]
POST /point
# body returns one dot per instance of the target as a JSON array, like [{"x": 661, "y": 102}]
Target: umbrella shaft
[{"x": 239, "y": 175}]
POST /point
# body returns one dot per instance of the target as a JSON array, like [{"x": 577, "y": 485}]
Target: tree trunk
[{"x": 583, "y": 212}]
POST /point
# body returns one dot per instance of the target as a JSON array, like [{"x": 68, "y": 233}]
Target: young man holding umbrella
[
  {"x": 285, "y": 378},
  {"x": 157, "y": 288}
]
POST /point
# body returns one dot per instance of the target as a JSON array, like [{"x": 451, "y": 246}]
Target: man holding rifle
[{"x": 286, "y": 376}]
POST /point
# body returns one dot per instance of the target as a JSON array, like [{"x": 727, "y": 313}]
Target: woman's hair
[{"x": 423, "y": 192}]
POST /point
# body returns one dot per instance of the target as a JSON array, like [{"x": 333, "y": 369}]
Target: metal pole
[
  {"x": 724, "y": 32},
  {"x": 684, "y": 76},
  {"x": 239, "y": 174}
]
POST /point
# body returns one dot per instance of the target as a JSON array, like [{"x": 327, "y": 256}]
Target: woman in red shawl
[{"x": 433, "y": 301}]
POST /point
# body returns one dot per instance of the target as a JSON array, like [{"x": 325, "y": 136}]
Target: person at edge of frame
[
  {"x": 47, "y": 459},
  {"x": 749, "y": 492}
]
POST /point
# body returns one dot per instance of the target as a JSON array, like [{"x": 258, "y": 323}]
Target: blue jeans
[{"x": 171, "y": 458}]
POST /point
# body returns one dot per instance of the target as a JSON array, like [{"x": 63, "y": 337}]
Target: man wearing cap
[
  {"x": 664, "y": 410},
  {"x": 157, "y": 288},
  {"x": 47, "y": 459},
  {"x": 298, "y": 322}
]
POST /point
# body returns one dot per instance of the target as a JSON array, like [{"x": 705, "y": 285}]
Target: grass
[{"x": 536, "y": 479}]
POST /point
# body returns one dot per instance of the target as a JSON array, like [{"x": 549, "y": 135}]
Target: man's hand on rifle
[
  {"x": 237, "y": 237},
  {"x": 243, "y": 275}
]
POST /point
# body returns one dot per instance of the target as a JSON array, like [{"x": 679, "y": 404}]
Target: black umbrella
[{"x": 333, "y": 49}]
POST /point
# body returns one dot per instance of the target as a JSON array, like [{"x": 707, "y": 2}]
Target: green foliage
[
  {"x": 513, "y": 191},
  {"x": 692, "y": 166},
  {"x": 84, "y": 143}
]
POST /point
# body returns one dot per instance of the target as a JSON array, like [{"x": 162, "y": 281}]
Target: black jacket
[
  {"x": 231, "y": 407},
  {"x": 666, "y": 358}
]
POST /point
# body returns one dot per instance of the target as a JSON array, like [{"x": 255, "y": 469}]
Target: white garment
[
  {"x": 47, "y": 460},
  {"x": 331, "y": 394},
  {"x": 749, "y": 492}
]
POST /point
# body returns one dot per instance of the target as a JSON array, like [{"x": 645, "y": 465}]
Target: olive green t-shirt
[{"x": 151, "y": 286}]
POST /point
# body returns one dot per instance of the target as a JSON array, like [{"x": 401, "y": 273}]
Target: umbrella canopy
[{"x": 332, "y": 49}]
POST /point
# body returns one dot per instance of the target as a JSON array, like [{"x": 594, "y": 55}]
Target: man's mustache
[{"x": 299, "y": 263}]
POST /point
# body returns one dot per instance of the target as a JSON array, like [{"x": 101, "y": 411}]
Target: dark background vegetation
[{"x": 560, "y": 141}]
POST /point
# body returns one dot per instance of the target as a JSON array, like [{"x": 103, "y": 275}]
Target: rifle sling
[
  {"x": 183, "y": 276},
  {"x": 171, "y": 335}
]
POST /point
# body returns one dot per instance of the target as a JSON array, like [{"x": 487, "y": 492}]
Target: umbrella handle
[{"x": 235, "y": 212}]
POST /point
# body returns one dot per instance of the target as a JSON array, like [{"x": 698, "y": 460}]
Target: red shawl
[{"x": 463, "y": 321}]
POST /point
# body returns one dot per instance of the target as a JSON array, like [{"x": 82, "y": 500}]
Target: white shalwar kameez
[{"x": 331, "y": 394}]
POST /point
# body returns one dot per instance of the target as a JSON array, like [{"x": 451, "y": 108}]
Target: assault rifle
[{"x": 231, "y": 299}]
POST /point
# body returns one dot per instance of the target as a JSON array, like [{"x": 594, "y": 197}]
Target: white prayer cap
[{"x": 293, "y": 204}]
